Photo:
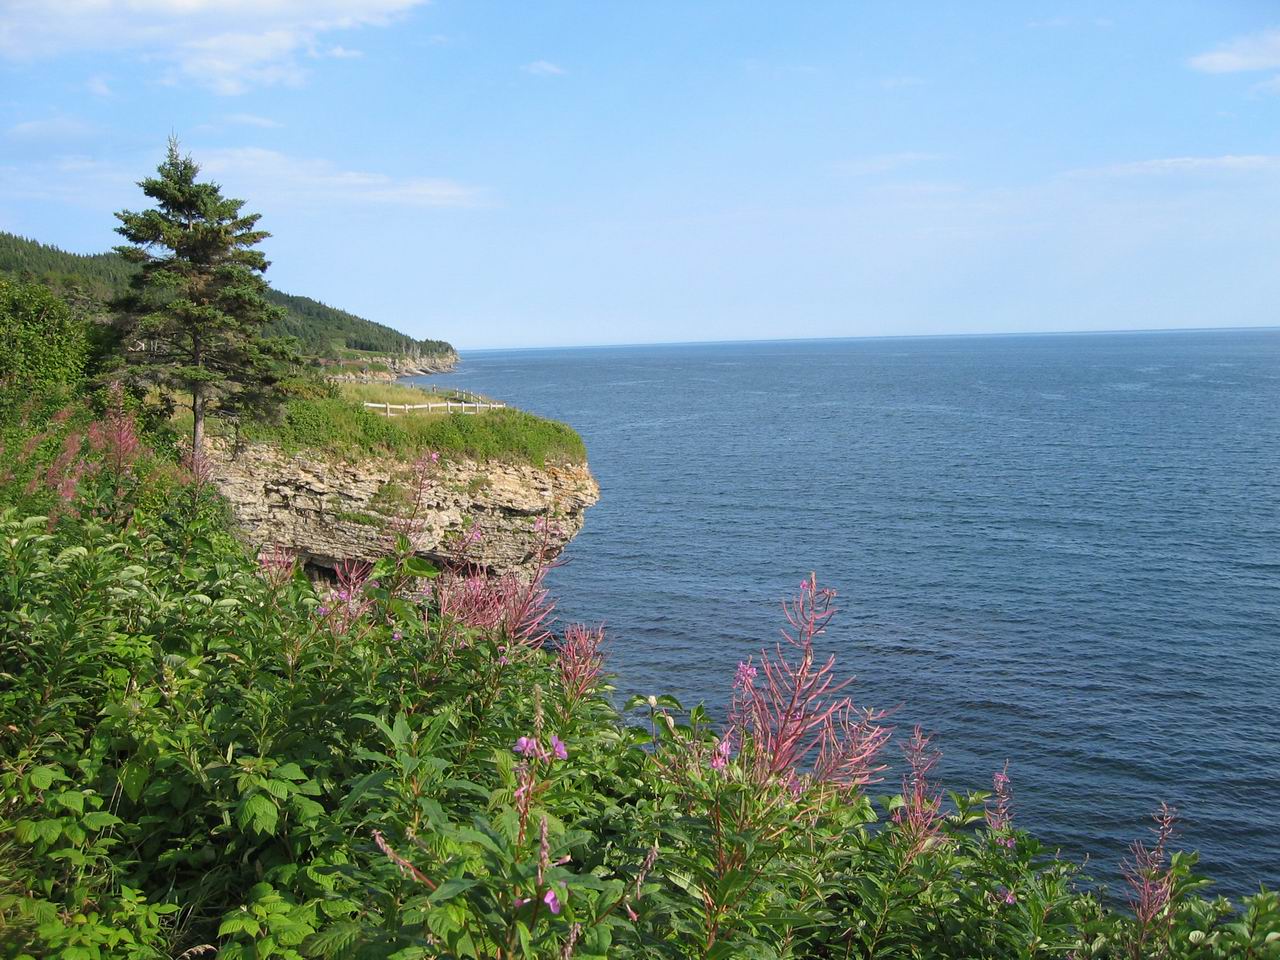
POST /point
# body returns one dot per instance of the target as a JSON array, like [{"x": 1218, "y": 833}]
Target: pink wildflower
[
  {"x": 277, "y": 565},
  {"x": 1151, "y": 881},
  {"x": 1000, "y": 817},
  {"x": 558, "y": 748},
  {"x": 720, "y": 759},
  {"x": 527, "y": 747},
  {"x": 920, "y": 815},
  {"x": 797, "y": 714},
  {"x": 552, "y": 901},
  {"x": 581, "y": 662}
]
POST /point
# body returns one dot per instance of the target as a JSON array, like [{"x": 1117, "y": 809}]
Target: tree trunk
[
  {"x": 197, "y": 417},
  {"x": 197, "y": 407}
]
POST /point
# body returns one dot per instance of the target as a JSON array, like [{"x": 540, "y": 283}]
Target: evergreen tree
[{"x": 193, "y": 320}]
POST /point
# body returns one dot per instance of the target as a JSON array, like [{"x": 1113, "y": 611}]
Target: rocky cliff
[
  {"x": 397, "y": 367},
  {"x": 329, "y": 511}
]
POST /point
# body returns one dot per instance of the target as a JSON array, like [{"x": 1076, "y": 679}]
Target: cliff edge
[{"x": 330, "y": 510}]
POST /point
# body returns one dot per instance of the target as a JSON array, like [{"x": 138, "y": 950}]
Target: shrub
[
  {"x": 204, "y": 752},
  {"x": 45, "y": 344}
]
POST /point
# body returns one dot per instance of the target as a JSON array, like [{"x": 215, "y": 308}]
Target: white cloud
[
  {"x": 1260, "y": 51},
  {"x": 98, "y": 86},
  {"x": 1228, "y": 163},
  {"x": 54, "y": 128},
  {"x": 225, "y": 45},
  {"x": 544, "y": 68},
  {"x": 252, "y": 173},
  {"x": 344, "y": 53},
  {"x": 253, "y": 120}
]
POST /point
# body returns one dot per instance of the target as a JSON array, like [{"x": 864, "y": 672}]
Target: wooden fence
[{"x": 444, "y": 406}]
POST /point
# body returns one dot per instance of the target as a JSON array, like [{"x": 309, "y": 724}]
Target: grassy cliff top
[{"x": 339, "y": 425}]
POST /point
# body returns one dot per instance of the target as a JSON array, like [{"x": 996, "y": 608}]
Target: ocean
[{"x": 1059, "y": 551}]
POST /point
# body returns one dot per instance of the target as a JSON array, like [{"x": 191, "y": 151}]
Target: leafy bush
[
  {"x": 204, "y": 753},
  {"x": 45, "y": 344}
]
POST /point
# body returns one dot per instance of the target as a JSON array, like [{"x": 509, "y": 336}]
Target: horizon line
[{"x": 886, "y": 336}]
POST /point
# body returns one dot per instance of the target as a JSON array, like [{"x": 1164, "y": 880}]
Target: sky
[{"x": 550, "y": 172}]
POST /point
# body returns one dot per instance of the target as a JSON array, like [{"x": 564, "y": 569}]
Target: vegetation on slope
[
  {"x": 339, "y": 427},
  {"x": 92, "y": 281}
]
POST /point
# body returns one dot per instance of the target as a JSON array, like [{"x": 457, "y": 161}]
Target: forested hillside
[{"x": 90, "y": 281}]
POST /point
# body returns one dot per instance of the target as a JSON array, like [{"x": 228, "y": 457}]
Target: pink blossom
[
  {"x": 720, "y": 759},
  {"x": 552, "y": 901},
  {"x": 796, "y": 715},
  {"x": 580, "y": 662},
  {"x": 558, "y": 747},
  {"x": 527, "y": 747}
]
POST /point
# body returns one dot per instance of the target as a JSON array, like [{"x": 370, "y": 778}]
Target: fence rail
[{"x": 448, "y": 406}]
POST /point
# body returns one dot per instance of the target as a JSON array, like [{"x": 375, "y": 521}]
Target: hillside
[{"x": 90, "y": 280}]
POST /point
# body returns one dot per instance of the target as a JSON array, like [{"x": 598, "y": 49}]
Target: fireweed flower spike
[
  {"x": 1150, "y": 880},
  {"x": 920, "y": 815},
  {"x": 526, "y": 747},
  {"x": 1000, "y": 818},
  {"x": 558, "y": 748},
  {"x": 580, "y": 661},
  {"x": 792, "y": 712}
]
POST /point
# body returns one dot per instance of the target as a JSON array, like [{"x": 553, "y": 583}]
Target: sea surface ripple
[{"x": 1063, "y": 551}]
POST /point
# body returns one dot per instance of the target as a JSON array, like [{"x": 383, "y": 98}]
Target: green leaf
[
  {"x": 133, "y": 779},
  {"x": 451, "y": 888},
  {"x": 99, "y": 820},
  {"x": 42, "y": 778},
  {"x": 259, "y": 813},
  {"x": 240, "y": 922},
  {"x": 72, "y": 800}
]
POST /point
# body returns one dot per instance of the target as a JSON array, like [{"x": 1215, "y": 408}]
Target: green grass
[
  {"x": 393, "y": 393},
  {"x": 339, "y": 427}
]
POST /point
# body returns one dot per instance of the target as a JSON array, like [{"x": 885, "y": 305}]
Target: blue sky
[{"x": 545, "y": 173}]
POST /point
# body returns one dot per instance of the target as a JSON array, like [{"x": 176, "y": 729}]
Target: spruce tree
[{"x": 192, "y": 322}]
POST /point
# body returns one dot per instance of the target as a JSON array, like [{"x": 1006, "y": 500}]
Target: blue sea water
[{"x": 1063, "y": 551}]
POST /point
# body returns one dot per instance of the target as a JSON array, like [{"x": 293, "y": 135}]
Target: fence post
[{"x": 387, "y": 411}]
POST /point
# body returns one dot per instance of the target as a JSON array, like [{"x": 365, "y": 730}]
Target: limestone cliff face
[
  {"x": 329, "y": 511},
  {"x": 398, "y": 367}
]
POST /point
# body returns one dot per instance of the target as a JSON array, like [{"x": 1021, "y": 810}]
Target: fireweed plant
[{"x": 202, "y": 753}]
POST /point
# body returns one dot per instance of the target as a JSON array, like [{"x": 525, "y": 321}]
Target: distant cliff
[
  {"x": 388, "y": 369},
  {"x": 328, "y": 511}
]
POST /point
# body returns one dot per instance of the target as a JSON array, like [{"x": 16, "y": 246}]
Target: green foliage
[
  {"x": 341, "y": 428},
  {"x": 324, "y": 331},
  {"x": 200, "y": 754},
  {"x": 193, "y": 320},
  {"x": 91, "y": 281},
  {"x": 45, "y": 344}
]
